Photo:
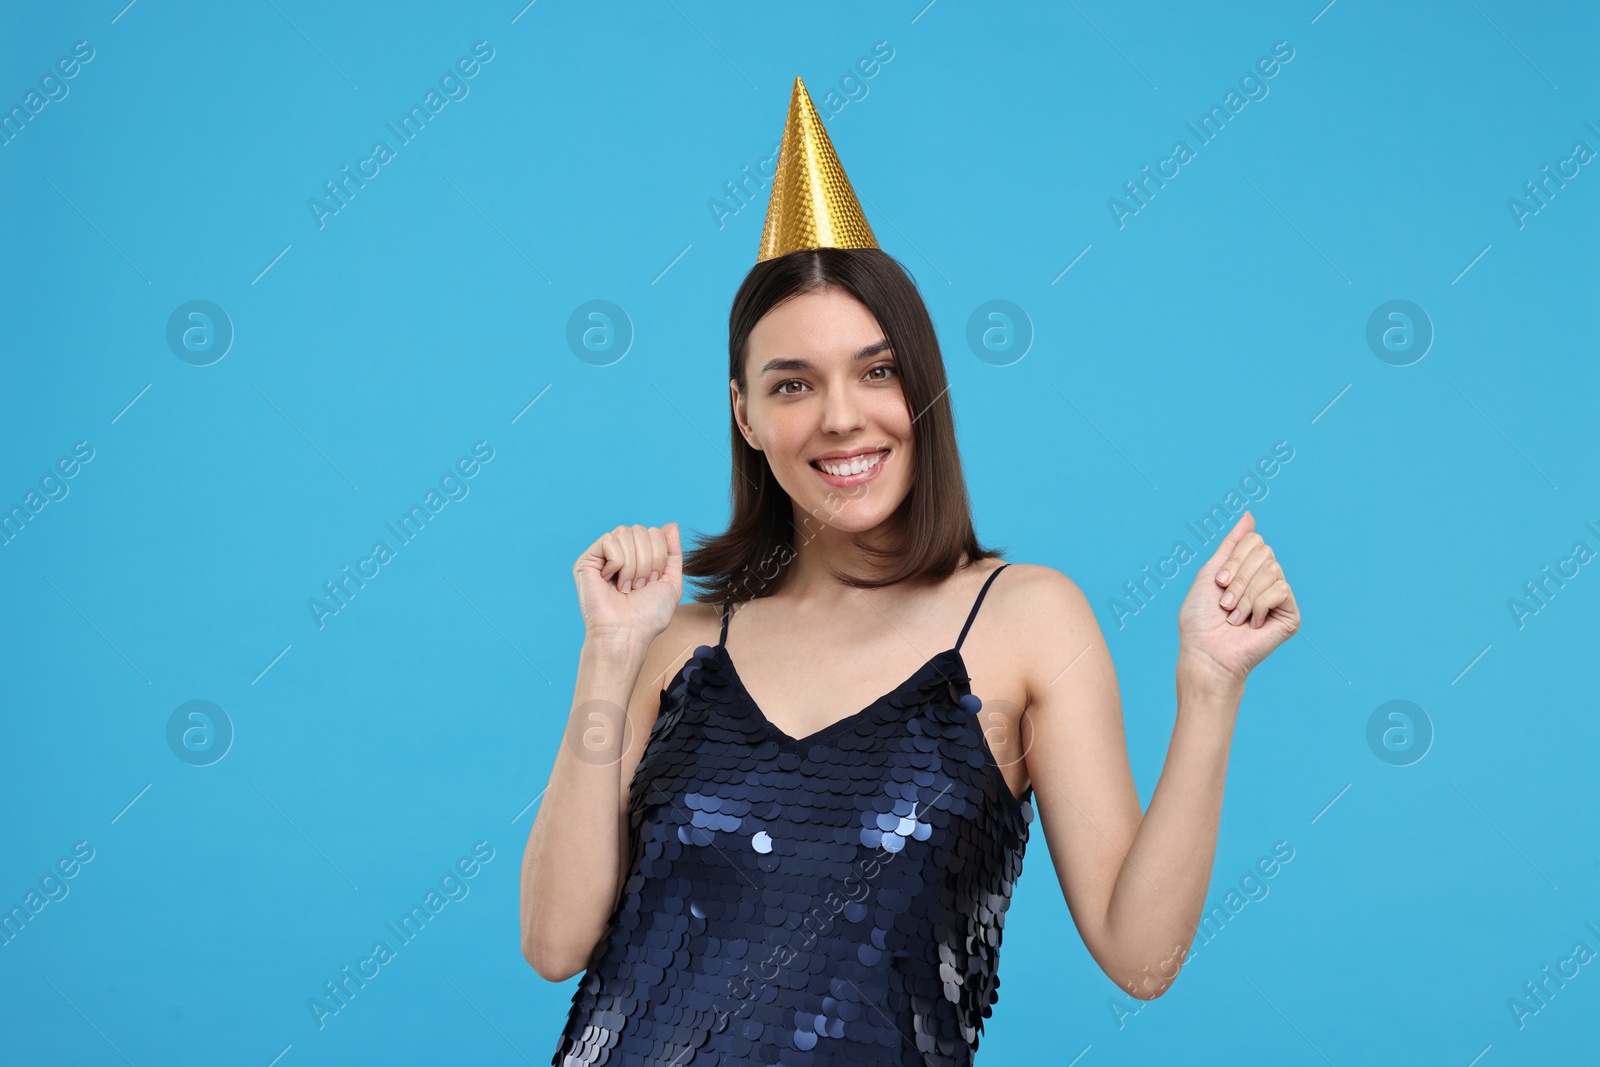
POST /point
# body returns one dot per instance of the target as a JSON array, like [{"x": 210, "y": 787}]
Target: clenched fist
[
  {"x": 630, "y": 581},
  {"x": 1239, "y": 608}
]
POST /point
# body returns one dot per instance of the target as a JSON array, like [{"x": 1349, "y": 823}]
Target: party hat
[{"x": 812, "y": 204}]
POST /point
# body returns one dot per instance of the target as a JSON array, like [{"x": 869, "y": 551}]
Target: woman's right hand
[{"x": 630, "y": 581}]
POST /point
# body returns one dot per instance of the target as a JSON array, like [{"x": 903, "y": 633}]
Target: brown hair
[{"x": 932, "y": 526}]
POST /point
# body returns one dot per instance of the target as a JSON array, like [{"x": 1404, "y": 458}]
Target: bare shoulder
[
  {"x": 1040, "y": 596},
  {"x": 694, "y": 619},
  {"x": 693, "y": 624},
  {"x": 1047, "y": 620}
]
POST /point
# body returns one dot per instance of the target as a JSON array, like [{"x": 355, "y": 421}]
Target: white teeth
[{"x": 854, "y": 466}]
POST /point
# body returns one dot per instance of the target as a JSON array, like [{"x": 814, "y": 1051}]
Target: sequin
[{"x": 832, "y": 899}]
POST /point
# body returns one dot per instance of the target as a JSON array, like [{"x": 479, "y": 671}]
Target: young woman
[{"x": 747, "y": 868}]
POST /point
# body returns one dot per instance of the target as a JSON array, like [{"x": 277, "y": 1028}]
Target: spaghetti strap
[
  {"x": 973, "y": 614},
  {"x": 722, "y": 640}
]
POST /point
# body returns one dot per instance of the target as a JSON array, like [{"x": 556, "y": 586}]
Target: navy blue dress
[{"x": 831, "y": 899}]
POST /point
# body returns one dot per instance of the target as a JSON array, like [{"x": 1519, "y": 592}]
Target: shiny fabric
[{"x": 832, "y": 899}]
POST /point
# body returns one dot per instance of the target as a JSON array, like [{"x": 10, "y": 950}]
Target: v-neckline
[{"x": 824, "y": 733}]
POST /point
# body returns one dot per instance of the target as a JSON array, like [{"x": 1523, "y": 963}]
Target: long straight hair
[{"x": 931, "y": 529}]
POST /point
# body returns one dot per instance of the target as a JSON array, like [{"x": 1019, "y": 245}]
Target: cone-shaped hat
[{"x": 812, "y": 204}]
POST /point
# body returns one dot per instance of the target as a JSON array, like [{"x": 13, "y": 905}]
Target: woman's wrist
[
  {"x": 1202, "y": 677},
  {"x": 611, "y": 651},
  {"x": 615, "y": 643}
]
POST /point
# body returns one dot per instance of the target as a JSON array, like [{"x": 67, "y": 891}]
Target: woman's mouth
[{"x": 857, "y": 470}]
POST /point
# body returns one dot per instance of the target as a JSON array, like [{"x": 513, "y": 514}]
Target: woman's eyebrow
[{"x": 802, "y": 364}]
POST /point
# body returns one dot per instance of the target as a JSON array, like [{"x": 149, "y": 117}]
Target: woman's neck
[{"x": 810, "y": 575}]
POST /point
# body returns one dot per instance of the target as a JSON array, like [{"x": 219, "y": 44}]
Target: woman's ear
[{"x": 740, "y": 415}]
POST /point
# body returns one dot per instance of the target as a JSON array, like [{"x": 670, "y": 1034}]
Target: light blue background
[{"x": 1230, "y": 313}]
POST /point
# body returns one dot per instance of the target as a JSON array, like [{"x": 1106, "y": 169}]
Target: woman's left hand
[{"x": 1239, "y": 608}]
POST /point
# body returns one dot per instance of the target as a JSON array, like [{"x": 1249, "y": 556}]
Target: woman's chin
[
  {"x": 851, "y": 510},
  {"x": 853, "y": 518}
]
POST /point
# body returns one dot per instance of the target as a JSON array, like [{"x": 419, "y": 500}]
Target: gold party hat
[{"x": 812, "y": 204}]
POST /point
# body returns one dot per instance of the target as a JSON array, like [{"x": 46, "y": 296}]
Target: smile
[{"x": 854, "y": 471}]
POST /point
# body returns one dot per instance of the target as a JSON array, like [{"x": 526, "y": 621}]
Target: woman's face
[{"x": 825, "y": 393}]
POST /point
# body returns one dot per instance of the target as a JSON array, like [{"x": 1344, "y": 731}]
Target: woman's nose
[{"x": 841, "y": 410}]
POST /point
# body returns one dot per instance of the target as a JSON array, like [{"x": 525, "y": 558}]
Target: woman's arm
[
  {"x": 1136, "y": 884},
  {"x": 573, "y": 866}
]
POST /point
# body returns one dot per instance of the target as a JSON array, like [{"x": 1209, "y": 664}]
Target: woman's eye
[{"x": 782, "y": 388}]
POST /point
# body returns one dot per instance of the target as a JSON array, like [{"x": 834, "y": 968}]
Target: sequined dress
[{"x": 831, "y": 899}]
